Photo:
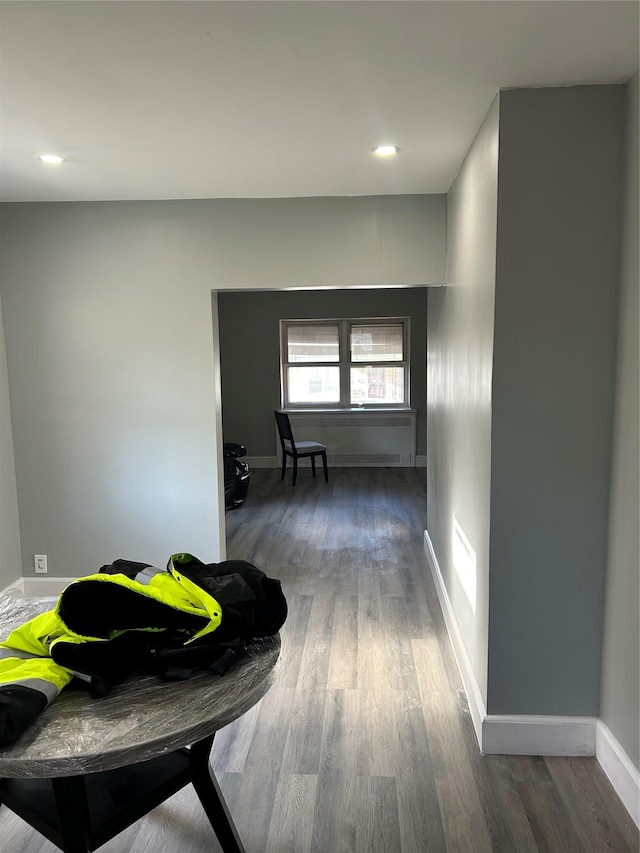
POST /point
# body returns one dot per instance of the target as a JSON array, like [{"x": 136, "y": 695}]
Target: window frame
[{"x": 344, "y": 362}]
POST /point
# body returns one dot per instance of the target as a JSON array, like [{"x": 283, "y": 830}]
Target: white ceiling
[{"x": 209, "y": 99}]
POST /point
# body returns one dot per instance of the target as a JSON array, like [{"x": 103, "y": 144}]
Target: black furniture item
[
  {"x": 81, "y": 813},
  {"x": 237, "y": 475},
  {"x": 298, "y": 449},
  {"x": 87, "y": 769}
]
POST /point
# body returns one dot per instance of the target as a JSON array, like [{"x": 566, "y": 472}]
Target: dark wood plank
[
  {"x": 420, "y": 818},
  {"x": 337, "y": 811},
  {"x": 343, "y": 660},
  {"x": 601, "y": 822},
  {"x": 506, "y": 820},
  {"x": 550, "y": 820},
  {"x": 378, "y": 829},
  {"x": 292, "y": 819},
  {"x": 462, "y": 815}
]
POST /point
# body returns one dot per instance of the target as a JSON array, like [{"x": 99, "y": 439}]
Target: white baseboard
[
  {"x": 261, "y": 461},
  {"x": 352, "y": 462},
  {"x": 472, "y": 689},
  {"x": 42, "y": 587},
  {"x": 620, "y": 770},
  {"x": 18, "y": 584},
  {"x": 514, "y": 734},
  {"x": 521, "y": 734}
]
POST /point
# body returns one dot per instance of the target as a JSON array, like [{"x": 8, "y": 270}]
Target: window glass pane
[
  {"x": 371, "y": 384},
  {"x": 377, "y": 342},
  {"x": 313, "y": 384},
  {"x": 313, "y": 343}
]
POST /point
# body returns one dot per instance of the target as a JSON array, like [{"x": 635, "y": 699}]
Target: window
[{"x": 345, "y": 363}]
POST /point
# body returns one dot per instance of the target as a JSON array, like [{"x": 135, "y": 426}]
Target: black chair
[{"x": 298, "y": 449}]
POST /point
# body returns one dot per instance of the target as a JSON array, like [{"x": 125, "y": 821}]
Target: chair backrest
[{"x": 284, "y": 429}]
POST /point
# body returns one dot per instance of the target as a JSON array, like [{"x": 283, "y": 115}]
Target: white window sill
[{"x": 359, "y": 409}]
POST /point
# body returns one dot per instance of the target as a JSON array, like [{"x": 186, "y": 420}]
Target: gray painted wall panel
[
  {"x": 110, "y": 354},
  {"x": 620, "y": 699},
  {"x": 459, "y": 365},
  {"x": 10, "y": 563},
  {"x": 555, "y": 326},
  {"x": 110, "y": 350}
]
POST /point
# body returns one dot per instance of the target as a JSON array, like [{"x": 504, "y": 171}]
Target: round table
[{"x": 88, "y": 768}]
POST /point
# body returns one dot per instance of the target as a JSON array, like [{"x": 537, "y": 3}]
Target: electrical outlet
[{"x": 40, "y": 561}]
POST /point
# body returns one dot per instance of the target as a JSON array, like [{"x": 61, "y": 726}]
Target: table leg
[
  {"x": 70, "y": 795},
  {"x": 209, "y": 793}
]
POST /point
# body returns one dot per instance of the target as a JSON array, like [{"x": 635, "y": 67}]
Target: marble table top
[{"x": 139, "y": 719}]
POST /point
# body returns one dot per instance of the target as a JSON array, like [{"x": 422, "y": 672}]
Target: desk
[{"x": 89, "y": 768}]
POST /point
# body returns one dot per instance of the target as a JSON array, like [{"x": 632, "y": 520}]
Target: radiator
[{"x": 385, "y": 439}]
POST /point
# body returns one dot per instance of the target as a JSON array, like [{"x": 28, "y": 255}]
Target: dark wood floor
[{"x": 365, "y": 742}]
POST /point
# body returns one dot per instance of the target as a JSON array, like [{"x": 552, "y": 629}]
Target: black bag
[
  {"x": 237, "y": 475},
  {"x": 253, "y": 607}
]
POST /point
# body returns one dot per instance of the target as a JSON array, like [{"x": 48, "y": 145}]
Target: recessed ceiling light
[
  {"x": 386, "y": 150},
  {"x": 52, "y": 159}
]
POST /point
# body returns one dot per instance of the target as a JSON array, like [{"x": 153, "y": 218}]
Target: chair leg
[
  {"x": 313, "y": 465},
  {"x": 284, "y": 464},
  {"x": 295, "y": 470},
  {"x": 324, "y": 465}
]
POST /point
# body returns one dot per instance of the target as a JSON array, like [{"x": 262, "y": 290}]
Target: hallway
[
  {"x": 373, "y": 744},
  {"x": 365, "y": 742}
]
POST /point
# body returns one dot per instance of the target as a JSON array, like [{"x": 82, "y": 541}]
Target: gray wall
[
  {"x": 10, "y": 566},
  {"x": 620, "y": 696},
  {"x": 459, "y": 364},
  {"x": 520, "y": 403},
  {"x": 110, "y": 351},
  {"x": 559, "y": 197},
  {"x": 250, "y": 351}
]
